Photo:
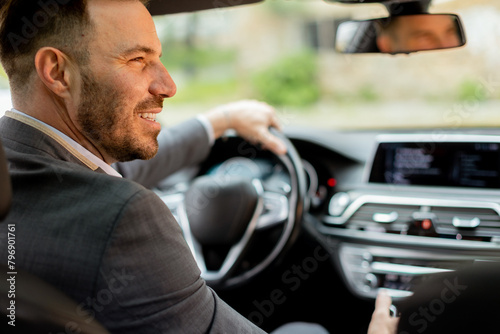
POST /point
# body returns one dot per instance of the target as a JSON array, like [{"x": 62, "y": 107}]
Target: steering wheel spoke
[
  {"x": 236, "y": 252},
  {"x": 275, "y": 212},
  {"x": 178, "y": 208}
]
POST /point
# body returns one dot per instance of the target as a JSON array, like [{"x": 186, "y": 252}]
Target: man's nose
[
  {"x": 162, "y": 84},
  {"x": 450, "y": 42}
]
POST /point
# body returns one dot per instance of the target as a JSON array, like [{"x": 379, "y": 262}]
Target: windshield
[{"x": 283, "y": 52}]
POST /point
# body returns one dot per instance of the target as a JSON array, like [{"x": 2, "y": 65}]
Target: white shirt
[{"x": 89, "y": 155}]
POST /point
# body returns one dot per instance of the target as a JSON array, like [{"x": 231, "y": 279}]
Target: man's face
[
  {"x": 103, "y": 116},
  {"x": 123, "y": 87},
  {"x": 426, "y": 32}
]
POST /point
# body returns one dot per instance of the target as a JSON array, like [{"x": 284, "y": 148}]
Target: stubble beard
[{"x": 101, "y": 115}]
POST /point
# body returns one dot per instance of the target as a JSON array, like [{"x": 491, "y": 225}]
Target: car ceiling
[{"x": 161, "y": 7}]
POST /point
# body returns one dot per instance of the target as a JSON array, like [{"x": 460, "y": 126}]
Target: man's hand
[
  {"x": 382, "y": 322},
  {"x": 251, "y": 120}
]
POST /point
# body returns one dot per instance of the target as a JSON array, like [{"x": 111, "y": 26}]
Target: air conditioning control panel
[{"x": 437, "y": 217}]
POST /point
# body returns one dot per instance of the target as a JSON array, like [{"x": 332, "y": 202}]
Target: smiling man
[
  {"x": 123, "y": 85},
  {"x": 87, "y": 84},
  {"x": 410, "y": 33}
]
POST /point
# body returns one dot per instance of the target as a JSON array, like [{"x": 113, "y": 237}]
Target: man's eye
[{"x": 137, "y": 62}]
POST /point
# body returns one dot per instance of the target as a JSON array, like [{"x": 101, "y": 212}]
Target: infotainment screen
[{"x": 451, "y": 164}]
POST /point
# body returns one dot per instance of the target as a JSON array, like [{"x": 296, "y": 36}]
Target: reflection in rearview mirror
[{"x": 401, "y": 34}]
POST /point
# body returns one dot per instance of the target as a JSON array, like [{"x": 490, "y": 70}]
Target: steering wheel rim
[{"x": 224, "y": 277}]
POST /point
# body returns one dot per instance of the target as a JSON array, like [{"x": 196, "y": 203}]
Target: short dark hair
[{"x": 28, "y": 25}]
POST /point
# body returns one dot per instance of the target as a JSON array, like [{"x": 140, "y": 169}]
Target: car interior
[{"x": 316, "y": 233}]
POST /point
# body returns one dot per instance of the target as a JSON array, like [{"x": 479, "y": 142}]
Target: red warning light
[
  {"x": 332, "y": 182},
  {"x": 426, "y": 224}
]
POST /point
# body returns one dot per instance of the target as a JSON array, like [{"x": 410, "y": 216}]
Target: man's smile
[{"x": 148, "y": 116}]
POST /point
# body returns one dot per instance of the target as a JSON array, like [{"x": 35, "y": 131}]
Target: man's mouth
[{"x": 149, "y": 116}]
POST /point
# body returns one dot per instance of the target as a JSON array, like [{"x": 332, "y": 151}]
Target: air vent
[
  {"x": 382, "y": 218},
  {"x": 467, "y": 223}
]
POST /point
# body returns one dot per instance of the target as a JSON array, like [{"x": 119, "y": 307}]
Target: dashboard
[
  {"x": 391, "y": 209},
  {"x": 406, "y": 205}
]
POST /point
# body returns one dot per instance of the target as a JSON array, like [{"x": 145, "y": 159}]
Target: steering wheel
[{"x": 238, "y": 222}]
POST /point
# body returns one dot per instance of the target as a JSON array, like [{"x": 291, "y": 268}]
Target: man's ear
[{"x": 54, "y": 69}]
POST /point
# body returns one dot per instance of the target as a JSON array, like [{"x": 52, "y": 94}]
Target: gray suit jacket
[{"x": 109, "y": 243}]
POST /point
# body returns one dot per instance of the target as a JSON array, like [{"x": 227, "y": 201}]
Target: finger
[
  {"x": 383, "y": 303},
  {"x": 383, "y": 299},
  {"x": 273, "y": 118},
  {"x": 276, "y": 146},
  {"x": 273, "y": 143},
  {"x": 275, "y": 123}
]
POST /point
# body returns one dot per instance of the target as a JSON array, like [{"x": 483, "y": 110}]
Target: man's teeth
[{"x": 148, "y": 116}]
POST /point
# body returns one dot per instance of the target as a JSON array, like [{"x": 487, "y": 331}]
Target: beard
[{"x": 104, "y": 119}]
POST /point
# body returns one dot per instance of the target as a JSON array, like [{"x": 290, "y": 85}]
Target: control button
[
  {"x": 371, "y": 281},
  {"x": 367, "y": 256},
  {"x": 385, "y": 218},
  {"x": 338, "y": 204},
  {"x": 466, "y": 222}
]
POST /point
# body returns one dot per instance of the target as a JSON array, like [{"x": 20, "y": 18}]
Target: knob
[{"x": 371, "y": 281}]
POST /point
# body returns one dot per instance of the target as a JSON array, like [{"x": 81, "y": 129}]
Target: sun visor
[{"x": 161, "y": 7}]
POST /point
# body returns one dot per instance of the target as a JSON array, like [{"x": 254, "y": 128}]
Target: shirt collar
[{"x": 82, "y": 150}]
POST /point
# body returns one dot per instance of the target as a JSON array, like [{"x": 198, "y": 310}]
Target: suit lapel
[{"x": 31, "y": 134}]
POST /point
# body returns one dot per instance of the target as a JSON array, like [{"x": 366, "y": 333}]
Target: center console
[{"x": 427, "y": 205}]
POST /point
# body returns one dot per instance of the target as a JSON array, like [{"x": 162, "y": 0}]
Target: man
[
  {"x": 410, "y": 33},
  {"x": 87, "y": 84}
]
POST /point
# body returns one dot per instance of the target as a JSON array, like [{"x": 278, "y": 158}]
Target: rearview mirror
[
  {"x": 401, "y": 34},
  {"x": 358, "y": 1}
]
